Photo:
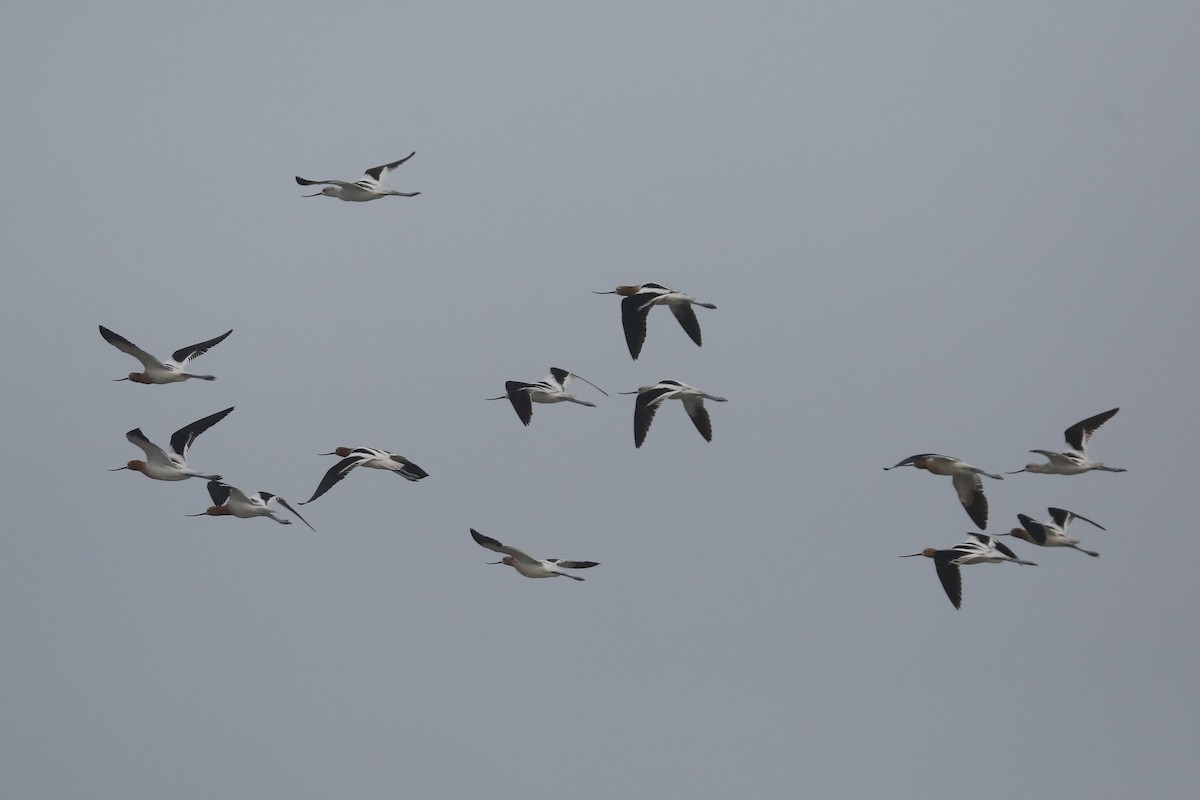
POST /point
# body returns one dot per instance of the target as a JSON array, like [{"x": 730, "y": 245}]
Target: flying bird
[
  {"x": 551, "y": 389},
  {"x": 360, "y": 191},
  {"x": 369, "y": 457},
  {"x": 1075, "y": 460},
  {"x": 979, "y": 549},
  {"x": 171, "y": 371},
  {"x": 636, "y": 305},
  {"x": 229, "y": 500},
  {"x": 1053, "y": 533},
  {"x": 162, "y": 465},
  {"x": 527, "y": 565},
  {"x": 967, "y": 483},
  {"x": 651, "y": 397}
]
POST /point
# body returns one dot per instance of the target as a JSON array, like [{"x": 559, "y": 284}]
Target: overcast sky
[{"x": 942, "y": 227}]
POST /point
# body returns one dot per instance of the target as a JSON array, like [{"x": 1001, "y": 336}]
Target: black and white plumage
[
  {"x": 639, "y": 299},
  {"x": 967, "y": 483},
  {"x": 369, "y": 457},
  {"x": 527, "y": 565},
  {"x": 163, "y": 465},
  {"x": 978, "y": 549},
  {"x": 1053, "y": 533},
  {"x": 369, "y": 187},
  {"x": 159, "y": 372},
  {"x": 1074, "y": 461},
  {"x": 551, "y": 389},
  {"x": 231, "y": 501},
  {"x": 651, "y": 397}
]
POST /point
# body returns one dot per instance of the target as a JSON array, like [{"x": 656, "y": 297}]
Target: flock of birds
[
  {"x": 968, "y": 485},
  {"x": 171, "y": 464},
  {"x": 637, "y": 300}
]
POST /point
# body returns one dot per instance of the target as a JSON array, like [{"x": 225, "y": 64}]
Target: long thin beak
[
  {"x": 493, "y": 562},
  {"x": 501, "y": 397},
  {"x": 115, "y": 380},
  {"x": 595, "y": 292},
  {"x": 327, "y": 454},
  {"x": 318, "y": 194},
  {"x": 635, "y": 391},
  {"x": 201, "y": 514},
  {"x": 1014, "y": 473},
  {"x": 910, "y": 555},
  {"x": 118, "y": 469}
]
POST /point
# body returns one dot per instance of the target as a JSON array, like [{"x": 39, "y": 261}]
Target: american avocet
[
  {"x": 527, "y": 565},
  {"x": 552, "y": 389},
  {"x": 365, "y": 457},
  {"x": 979, "y": 549},
  {"x": 1075, "y": 460},
  {"x": 641, "y": 298},
  {"x": 162, "y": 465},
  {"x": 967, "y": 482},
  {"x": 1051, "y": 534},
  {"x": 651, "y": 397},
  {"x": 369, "y": 188},
  {"x": 229, "y": 500},
  {"x": 162, "y": 371}
]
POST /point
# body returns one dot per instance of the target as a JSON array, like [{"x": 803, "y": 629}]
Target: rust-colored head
[
  {"x": 1021, "y": 533},
  {"x": 212, "y": 511},
  {"x": 628, "y": 290},
  {"x": 139, "y": 377},
  {"x": 928, "y": 552},
  {"x": 136, "y": 466},
  {"x": 339, "y": 451}
]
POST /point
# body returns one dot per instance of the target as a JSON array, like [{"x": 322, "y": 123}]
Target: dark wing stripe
[
  {"x": 950, "y": 575},
  {"x": 182, "y": 439},
  {"x": 219, "y": 492},
  {"x": 1003, "y": 548},
  {"x": 699, "y": 414},
  {"x": 195, "y": 350},
  {"x": 486, "y": 541},
  {"x": 643, "y": 413},
  {"x": 1036, "y": 529},
  {"x": 633, "y": 318},
  {"x": 687, "y": 318},
  {"x": 574, "y": 564},
  {"x": 520, "y": 400},
  {"x": 1078, "y": 434},
  {"x": 335, "y": 474}
]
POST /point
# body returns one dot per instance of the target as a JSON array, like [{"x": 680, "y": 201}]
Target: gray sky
[{"x": 927, "y": 227}]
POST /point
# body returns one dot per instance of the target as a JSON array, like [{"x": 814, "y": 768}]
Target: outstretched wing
[
  {"x": 687, "y": 318},
  {"x": 520, "y": 400},
  {"x": 969, "y": 487},
  {"x": 186, "y": 354},
  {"x": 1078, "y": 434},
  {"x": 694, "y": 406},
  {"x": 181, "y": 440},
  {"x": 644, "y": 410},
  {"x": 335, "y": 474},
  {"x": 125, "y": 346},
  {"x": 634, "y": 311},
  {"x": 219, "y": 492},
  {"x": 378, "y": 174}
]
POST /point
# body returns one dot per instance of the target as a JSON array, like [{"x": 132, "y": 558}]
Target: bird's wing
[
  {"x": 633, "y": 319},
  {"x": 950, "y": 576},
  {"x": 694, "y": 406},
  {"x": 1035, "y": 529},
  {"x": 185, "y": 354},
  {"x": 378, "y": 174},
  {"x": 644, "y": 410},
  {"x": 1063, "y": 518},
  {"x": 287, "y": 505},
  {"x": 219, "y": 492},
  {"x": 687, "y": 318},
  {"x": 181, "y": 440},
  {"x": 558, "y": 562},
  {"x": 125, "y": 346},
  {"x": 492, "y": 544},
  {"x": 154, "y": 453},
  {"x": 335, "y": 474},
  {"x": 1077, "y": 435},
  {"x": 520, "y": 400},
  {"x": 969, "y": 487}
]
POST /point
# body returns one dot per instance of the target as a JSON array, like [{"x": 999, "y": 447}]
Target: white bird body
[
  {"x": 156, "y": 371},
  {"x": 967, "y": 483},
  {"x": 1074, "y": 460},
  {"x": 651, "y": 397},
  {"x": 979, "y": 549},
  {"x": 551, "y": 389},
  {"x": 369, "y": 457},
  {"x": 636, "y": 305},
  {"x": 231, "y": 501},
  {"x": 370, "y": 187},
  {"x": 164, "y": 465},
  {"x": 527, "y": 565}
]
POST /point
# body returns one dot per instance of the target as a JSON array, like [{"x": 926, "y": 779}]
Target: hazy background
[{"x": 926, "y": 226}]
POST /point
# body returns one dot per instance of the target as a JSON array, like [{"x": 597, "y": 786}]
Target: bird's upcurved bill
[
  {"x": 117, "y": 469},
  {"x": 317, "y": 194},
  {"x": 116, "y": 380}
]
